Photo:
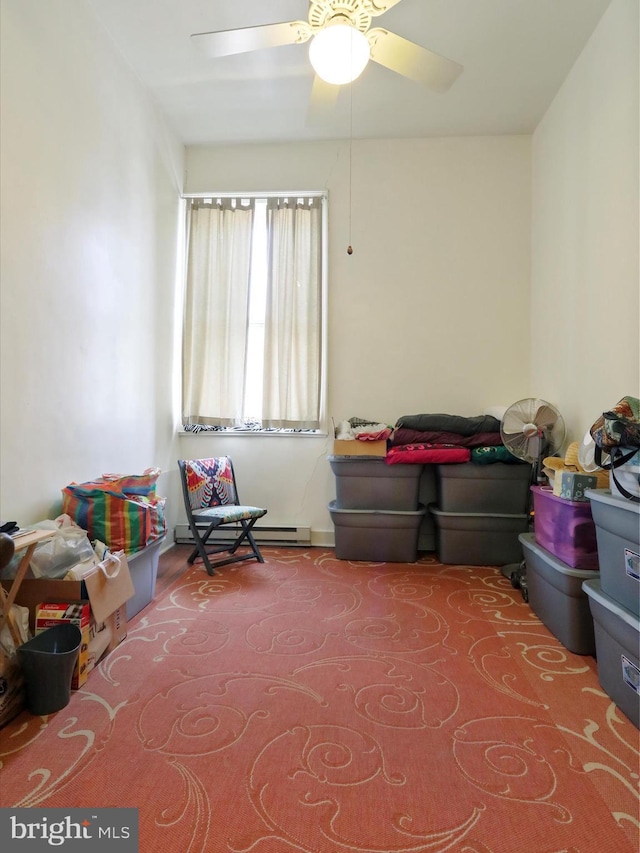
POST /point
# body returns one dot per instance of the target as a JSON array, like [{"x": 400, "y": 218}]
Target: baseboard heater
[{"x": 277, "y": 535}]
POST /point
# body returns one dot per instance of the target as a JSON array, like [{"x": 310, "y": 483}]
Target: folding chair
[{"x": 211, "y": 501}]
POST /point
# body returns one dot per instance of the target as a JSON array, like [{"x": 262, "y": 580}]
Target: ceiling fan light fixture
[{"x": 339, "y": 53}]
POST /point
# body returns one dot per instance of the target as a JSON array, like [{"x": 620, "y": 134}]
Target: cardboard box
[
  {"x": 104, "y": 637},
  {"x": 107, "y": 586},
  {"x": 571, "y": 485},
  {"x": 107, "y": 589},
  {"x": 355, "y": 447},
  {"x": 78, "y": 613},
  {"x": 12, "y": 695}
]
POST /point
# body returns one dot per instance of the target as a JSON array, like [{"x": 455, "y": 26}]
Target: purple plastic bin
[{"x": 565, "y": 528}]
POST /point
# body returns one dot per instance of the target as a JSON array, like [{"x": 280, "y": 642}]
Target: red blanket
[{"x": 425, "y": 454}]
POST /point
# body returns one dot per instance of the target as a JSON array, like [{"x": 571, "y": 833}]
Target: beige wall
[
  {"x": 585, "y": 321},
  {"x": 430, "y": 313},
  {"x": 90, "y": 200}
]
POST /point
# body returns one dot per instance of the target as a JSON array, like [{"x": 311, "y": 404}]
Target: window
[{"x": 253, "y": 324}]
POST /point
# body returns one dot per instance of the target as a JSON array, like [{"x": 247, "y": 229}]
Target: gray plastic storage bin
[
  {"x": 376, "y": 535},
  {"x": 617, "y": 632},
  {"x": 372, "y": 484},
  {"x": 143, "y": 566},
  {"x": 478, "y": 539},
  {"x": 617, "y": 523},
  {"x": 495, "y": 488},
  {"x": 427, "y": 495},
  {"x": 557, "y": 598}
]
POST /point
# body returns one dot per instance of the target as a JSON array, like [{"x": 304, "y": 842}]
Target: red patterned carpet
[{"x": 310, "y": 705}]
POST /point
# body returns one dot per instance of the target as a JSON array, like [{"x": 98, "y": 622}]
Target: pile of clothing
[
  {"x": 443, "y": 439},
  {"x": 363, "y": 430}
]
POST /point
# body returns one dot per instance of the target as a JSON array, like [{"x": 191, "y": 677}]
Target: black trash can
[{"x": 47, "y": 662}]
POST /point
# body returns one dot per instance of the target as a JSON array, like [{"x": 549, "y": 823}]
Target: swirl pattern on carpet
[{"x": 312, "y": 705}]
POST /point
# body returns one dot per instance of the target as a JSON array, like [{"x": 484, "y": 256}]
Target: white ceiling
[{"x": 515, "y": 54}]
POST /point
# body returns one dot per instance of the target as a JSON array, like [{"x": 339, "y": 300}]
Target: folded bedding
[
  {"x": 373, "y": 432},
  {"x": 403, "y": 435},
  {"x": 363, "y": 430},
  {"x": 426, "y": 454},
  {"x": 487, "y": 455},
  {"x": 450, "y": 423}
]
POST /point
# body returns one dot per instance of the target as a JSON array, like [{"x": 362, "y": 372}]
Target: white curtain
[
  {"x": 216, "y": 310},
  {"x": 292, "y": 349}
]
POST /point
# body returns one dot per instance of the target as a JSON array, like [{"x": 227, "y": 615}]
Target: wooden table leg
[{"x": 10, "y": 620}]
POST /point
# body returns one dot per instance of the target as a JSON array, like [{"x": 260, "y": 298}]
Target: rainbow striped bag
[{"x": 124, "y": 512}]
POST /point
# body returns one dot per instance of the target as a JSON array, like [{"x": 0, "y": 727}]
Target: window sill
[{"x": 241, "y": 433}]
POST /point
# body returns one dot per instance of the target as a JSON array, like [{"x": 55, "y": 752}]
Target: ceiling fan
[{"x": 339, "y": 29}]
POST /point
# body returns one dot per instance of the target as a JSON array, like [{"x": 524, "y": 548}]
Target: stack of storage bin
[
  {"x": 480, "y": 513},
  {"x": 615, "y": 599},
  {"x": 376, "y": 513},
  {"x": 560, "y": 555}
]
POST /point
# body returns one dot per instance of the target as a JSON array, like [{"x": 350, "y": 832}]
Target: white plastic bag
[
  {"x": 626, "y": 476},
  {"x": 67, "y": 547}
]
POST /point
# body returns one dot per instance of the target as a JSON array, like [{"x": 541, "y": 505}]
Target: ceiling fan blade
[
  {"x": 228, "y": 42},
  {"x": 379, "y": 7},
  {"x": 412, "y": 61},
  {"x": 323, "y": 101}
]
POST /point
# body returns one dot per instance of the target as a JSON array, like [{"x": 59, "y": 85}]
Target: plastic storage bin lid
[
  {"x": 593, "y": 589},
  {"x": 548, "y": 493},
  {"x": 604, "y": 496},
  {"x": 528, "y": 541}
]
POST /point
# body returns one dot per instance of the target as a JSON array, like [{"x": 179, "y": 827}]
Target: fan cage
[{"x": 547, "y": 442}]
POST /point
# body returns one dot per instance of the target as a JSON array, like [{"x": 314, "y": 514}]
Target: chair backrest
[{"x": 208, "y": 482}]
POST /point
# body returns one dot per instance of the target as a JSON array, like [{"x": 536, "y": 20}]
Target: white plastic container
[{"x": 628, "y": 475}]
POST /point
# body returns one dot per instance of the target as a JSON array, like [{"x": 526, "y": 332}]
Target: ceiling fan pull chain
[{"x": 350, "y": 247}]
